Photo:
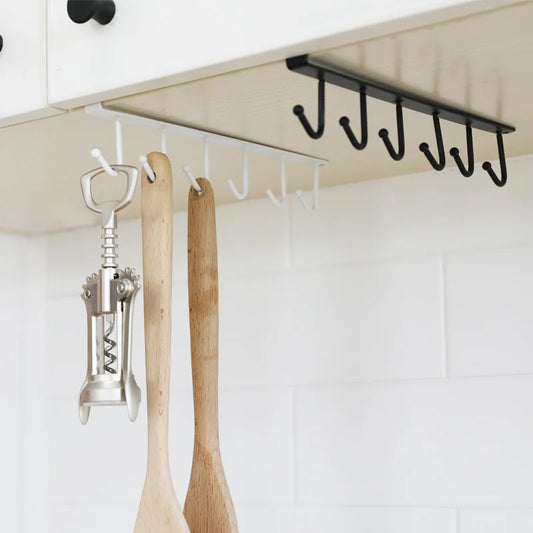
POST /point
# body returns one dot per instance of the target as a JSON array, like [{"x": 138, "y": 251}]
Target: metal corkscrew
[{"x": 108, "y": 298}]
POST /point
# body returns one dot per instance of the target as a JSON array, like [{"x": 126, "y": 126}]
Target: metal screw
[
  {"x": 121, "y": 287},
  {"x": 87, "y": 293}
]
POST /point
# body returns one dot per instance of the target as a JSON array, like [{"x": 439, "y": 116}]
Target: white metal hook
[
  {"x": 118, "y": 141},
  {"x": 241, "y": 195},
  {"x": 206, "y": 158},
  {"x": 149, "y": 172},
  {"x": 188, "y": 172},
  {"x": 300, "y": 193},
  {"x": 279, "y": 202},
  {"x": 144, "y": 162},
  {"x": 97, "y": 154},
  {"x": 164, "y": 141}
]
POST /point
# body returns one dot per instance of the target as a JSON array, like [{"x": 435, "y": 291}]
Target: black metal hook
[
  {"x": 345, "y": 123},
  {"x": 500, "y": 182},
  {"x": 454, "y": 152},
  {"x": 298, "y": 110},
  {"x": 424, "y": 147},
  {"x": 384, "y": 134}
]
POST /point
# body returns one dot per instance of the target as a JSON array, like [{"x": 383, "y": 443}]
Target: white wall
[
  {"x": 22, "y": 360},
  {"x": 376, "y": 364}
]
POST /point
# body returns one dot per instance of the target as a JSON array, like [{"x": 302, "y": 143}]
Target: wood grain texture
[
  {"x": 159, "y": 510},
  {"x": 208, "y": 505}
]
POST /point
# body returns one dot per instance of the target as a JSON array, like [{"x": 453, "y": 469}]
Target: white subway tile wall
[
  {"x": 90, "y": 518},
  {"x": 22, "y": 397},
  {"x": 443, "y": 443},
  {"x": 490, "y": 312},
  {"x": 496, "y": 521},
  {"x": 376, "y": 364},
  {"x": 321, "y": 519}
]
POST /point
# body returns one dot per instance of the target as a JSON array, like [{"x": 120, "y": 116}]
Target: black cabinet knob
[
  {"x": 81, "y": 11},
  {"x": 1, "y": 43}
]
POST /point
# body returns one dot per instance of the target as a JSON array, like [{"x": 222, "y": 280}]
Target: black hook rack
[{"x": 325, "y": 73}]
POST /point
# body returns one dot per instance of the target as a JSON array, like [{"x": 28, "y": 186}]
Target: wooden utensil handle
[
  {"x": 157, "y": 225},
  {"x": 203, "y": 312}
]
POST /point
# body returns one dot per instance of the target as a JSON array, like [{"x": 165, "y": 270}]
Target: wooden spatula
[
  {"x": 208, "y": 505},
  {"x": 159, "y": 510}
]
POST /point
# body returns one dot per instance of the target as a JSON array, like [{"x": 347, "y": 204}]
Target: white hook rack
[
  {"x": 241, "y": 195},
  {"x": 300, "y": 193},
  {"x": 207, "y": 137},
  {"x": 279, "y": 202}
]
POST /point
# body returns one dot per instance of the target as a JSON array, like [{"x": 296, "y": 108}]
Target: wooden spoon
[
  {"x": 159, "y": 510},
  {"x": 208, "y": 505}
]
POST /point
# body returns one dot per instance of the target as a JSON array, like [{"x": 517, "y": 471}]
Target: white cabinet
[
  {"x": 23, "y": 62},
  {"x": 151, "y": 44}
]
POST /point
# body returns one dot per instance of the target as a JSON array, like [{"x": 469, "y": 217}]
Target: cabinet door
[
  {"x": 155, "y": 43},
  {"x": 23, "y": 61}
]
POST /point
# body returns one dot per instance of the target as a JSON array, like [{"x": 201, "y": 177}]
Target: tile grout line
[
  {"x": 340, "y": 385},
  {"x": 289, "y": 264},
  {"x": 445, "y": 356},
  {"x": 32, "y": 481},
  {"x": 290, "y": 225},
  {"x": 24, "y": 417},
  {"x": 294, "y": 449},
  {"x": 271, "y": 504},
  {"x": 457, "y": 521}
]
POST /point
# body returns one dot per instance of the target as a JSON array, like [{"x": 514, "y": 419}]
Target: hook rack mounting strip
[
  {"x": 319, "y": 70},
  {"x": 110, "y": 113}
]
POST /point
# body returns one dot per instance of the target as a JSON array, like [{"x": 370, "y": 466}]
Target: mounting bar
[
  {"x": 314, "y": 68},
  {"x": 110, "y": 113}
]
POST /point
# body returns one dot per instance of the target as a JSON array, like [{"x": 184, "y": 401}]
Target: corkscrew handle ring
[{"x": 107, "y": 208}]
